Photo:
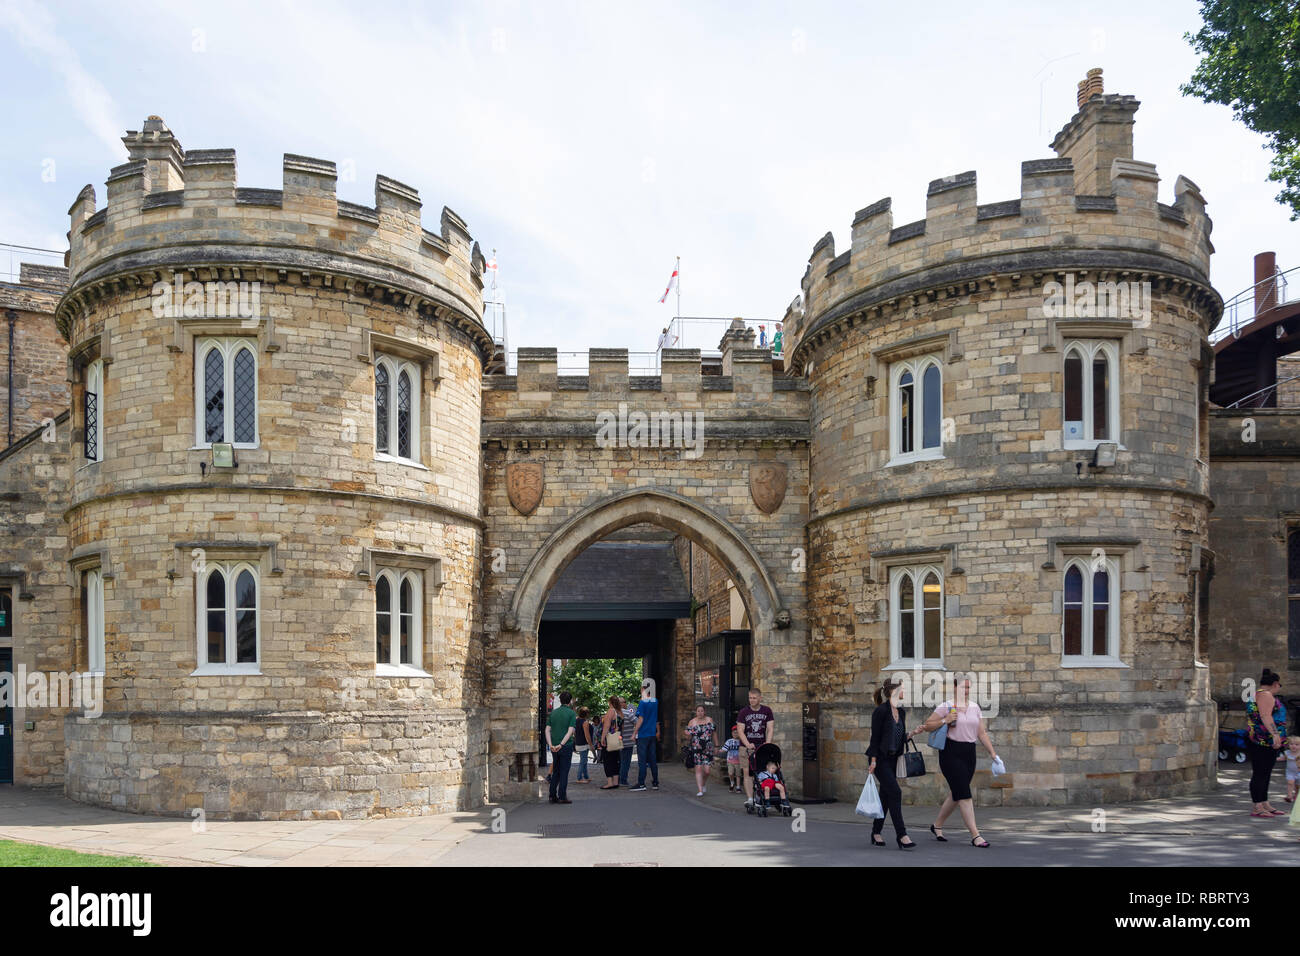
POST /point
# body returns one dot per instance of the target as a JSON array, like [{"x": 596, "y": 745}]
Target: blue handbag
[{"x": 939, "y": 738}]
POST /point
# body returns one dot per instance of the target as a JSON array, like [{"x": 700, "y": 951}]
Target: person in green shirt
[{"x": 561, "y": 728}]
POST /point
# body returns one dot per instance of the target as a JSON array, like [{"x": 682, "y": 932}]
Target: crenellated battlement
[
  {"x": 748, "y": 389},
  {"x": 1071, "y": 214},
  {"x": 169, "y": 208}
]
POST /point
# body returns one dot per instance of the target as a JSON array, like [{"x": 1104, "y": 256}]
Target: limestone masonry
[{"x": 953, "y": 468}]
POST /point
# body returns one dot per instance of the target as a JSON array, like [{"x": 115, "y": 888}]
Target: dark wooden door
[{"x": 7, "y": 717}]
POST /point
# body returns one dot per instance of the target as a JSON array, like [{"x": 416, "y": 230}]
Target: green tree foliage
[
  {"x": 592, "y": 682},
  {"x": 1250, "y": 61}
]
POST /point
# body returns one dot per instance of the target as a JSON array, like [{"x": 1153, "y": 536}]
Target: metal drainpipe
[{"x": 12, "y": 316}]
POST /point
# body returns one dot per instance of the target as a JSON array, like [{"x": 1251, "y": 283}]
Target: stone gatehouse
[{"x": 304, "y": 526}]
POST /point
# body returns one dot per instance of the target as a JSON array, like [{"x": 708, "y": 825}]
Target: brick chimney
[
  {"x": 1097, "y": 135},
  {"x": 736, "y": 337},
  {"x": 162, "y": 154}
]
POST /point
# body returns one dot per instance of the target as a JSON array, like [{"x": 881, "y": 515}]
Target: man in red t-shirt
[{"x": 757, "y": 726}]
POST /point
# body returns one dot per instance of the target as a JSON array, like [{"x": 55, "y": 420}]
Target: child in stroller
[{"x": 770, "y": 782}]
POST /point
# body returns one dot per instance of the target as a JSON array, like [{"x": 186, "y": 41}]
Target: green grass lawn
[{"x": 28, "y": 854}]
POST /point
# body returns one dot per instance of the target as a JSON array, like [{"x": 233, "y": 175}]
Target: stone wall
[
  {"x": 539, "y": 417},
  {"x": 1070, "y": 734},
  {"x": 40, "y": 355},
  {"x": 312, "y": 505},
  {"x": 278, "y": 766},
  {"x": 1256, "y": 504},
  {"x": 1004, "y": 500},
  {"x": 34, "y": 493},
  {"x": 1288, "y": 379}
]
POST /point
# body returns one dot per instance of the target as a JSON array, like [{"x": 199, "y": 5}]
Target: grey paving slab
[{"x": 673, "y": 827}]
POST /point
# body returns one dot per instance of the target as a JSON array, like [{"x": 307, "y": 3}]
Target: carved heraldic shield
[
  {"x": 524, "y": 486},
  {"x": 767, "y": 485}
]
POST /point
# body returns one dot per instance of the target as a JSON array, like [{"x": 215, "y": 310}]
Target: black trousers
[
  {"x": 1262, "y": 762},
  {"x": 891, "y": 795}
]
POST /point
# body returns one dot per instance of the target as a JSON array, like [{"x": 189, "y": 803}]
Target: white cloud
[{"x": 34, "y": 29}]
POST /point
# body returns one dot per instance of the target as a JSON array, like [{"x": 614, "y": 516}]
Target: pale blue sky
[{"x": 591, "y": 143}]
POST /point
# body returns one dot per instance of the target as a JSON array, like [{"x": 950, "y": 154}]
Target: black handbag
[{"x": 911, "y": 763}]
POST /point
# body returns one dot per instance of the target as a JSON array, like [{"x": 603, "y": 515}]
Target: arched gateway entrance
[
  {"x": 552, "y": 487},
  {"x": 647, "y": 506},
  {"x": 621, "y": 623},
  {"x": 515, "y": 706}
]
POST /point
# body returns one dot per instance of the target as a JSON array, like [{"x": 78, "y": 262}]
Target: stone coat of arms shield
[
  {"x": 524, "y": 482},
  {"x": 767, "y": 481}
]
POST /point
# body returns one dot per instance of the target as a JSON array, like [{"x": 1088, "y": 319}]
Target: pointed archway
[{"x": 667, "y": 510}]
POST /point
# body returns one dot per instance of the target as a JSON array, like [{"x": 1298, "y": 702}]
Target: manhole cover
[{"x": 571, "y": 830}]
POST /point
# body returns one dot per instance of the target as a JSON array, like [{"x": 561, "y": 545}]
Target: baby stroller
[{"x": 767, "y": 753}]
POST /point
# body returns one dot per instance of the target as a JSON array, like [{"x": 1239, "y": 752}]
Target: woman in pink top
[{"x": 957, "y": 759}]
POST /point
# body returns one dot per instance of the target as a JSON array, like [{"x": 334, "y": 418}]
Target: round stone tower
[
  {"x": 1008, "y": 469},
  {"x": 275, "y": 518}
]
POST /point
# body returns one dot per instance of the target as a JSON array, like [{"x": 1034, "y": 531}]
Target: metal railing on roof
[
  {"x": 1239, "y": 311},
  {"x": 576, "y": 363},
  {"x": 684, "y": 332},
  {"x": 1261, "y": 395},
  {"x": 13, "y": 256},
  {"x": 705, "y": 333}
]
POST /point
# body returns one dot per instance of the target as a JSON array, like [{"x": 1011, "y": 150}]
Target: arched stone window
[
  {"x": 1090, "y": 612},
  {"x": 92, "y": 618},
  {"x": 399, "y": 620},
  {"x": 916, "y": 417},
  {"x": 397, "y": 409},
  {"x": 225, "y": 390},
  {"x": 229, "y": 631},
  {"x": 916, "y": 616},
  {"x": 1091, "y": 393}
]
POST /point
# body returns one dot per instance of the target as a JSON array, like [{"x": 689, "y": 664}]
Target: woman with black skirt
[
  {"x": 888, "y": 737},
  {"x": 957, "y": 758}
]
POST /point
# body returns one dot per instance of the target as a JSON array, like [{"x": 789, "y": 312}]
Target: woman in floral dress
[
  {"x": 1265, "y": 717},
  {"x": 703, "y": 737}
]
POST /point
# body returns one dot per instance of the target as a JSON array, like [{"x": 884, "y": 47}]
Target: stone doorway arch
[
  {"x": 512, "y": 646},
  {"x": 667, "y": 510}
]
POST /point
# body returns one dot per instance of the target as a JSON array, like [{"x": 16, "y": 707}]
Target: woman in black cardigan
[{"x": 888, "y": 737}]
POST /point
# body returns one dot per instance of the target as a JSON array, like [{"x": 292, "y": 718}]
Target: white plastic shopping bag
[
  {"x": 869, "y": 802},
  {"x": 998, "y": 768}
]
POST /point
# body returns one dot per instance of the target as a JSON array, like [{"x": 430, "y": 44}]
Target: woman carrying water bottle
[{"x": 957, "y": 758}]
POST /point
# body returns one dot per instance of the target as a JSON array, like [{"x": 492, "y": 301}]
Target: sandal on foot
[{"x": 980, "y": 842}]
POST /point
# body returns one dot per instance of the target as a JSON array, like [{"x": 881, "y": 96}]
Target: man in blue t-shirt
[{"x": 647, "y": 730}]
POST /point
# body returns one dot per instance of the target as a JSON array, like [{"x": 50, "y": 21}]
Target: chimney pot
[{"x": 1094, "y": 82}]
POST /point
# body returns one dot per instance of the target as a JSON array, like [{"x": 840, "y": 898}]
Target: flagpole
[{"x": 679, "y": 292}]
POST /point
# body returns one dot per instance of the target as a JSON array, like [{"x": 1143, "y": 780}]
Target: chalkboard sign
[
  {"x": 810, "y": 714},
  {"x": 809, "y": 741}
]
